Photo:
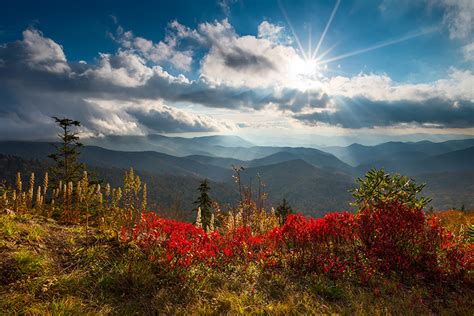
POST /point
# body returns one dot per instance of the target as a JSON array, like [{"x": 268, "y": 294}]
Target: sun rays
[
  {"x": 328, "y": 24},
  {"x": 380, "y": 45},
  {"x": 313, "y": 63}
]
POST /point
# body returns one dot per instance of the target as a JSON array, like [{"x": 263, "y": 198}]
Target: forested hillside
[{"x": 314, "y": 181}]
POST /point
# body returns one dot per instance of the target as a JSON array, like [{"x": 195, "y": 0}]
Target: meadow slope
[{"x": 49, "y": 268}]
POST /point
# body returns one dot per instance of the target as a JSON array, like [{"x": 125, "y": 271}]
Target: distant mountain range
[
  {"x": 261, "y": 156},
  {"x": 313, "y": 180},
  {"x": 312, "y": 190},
  {"x": 176, "y": 146},
  {"x": 357, "y": 154},
  {"x": 142, "y": 143}
]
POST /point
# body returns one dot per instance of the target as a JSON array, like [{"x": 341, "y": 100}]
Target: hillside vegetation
[
  {"x": 446, "y": 168},
  {"x": 71, "y": 244},
  {"x": 92, "y": 250},
  {"x": 51, "y": 268}
]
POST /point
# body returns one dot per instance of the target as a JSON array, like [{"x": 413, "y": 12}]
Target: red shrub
[
  {"x": 183, "y": 243},
  {"x": 398, "y": 238},
  {"x": 325, "y": 244},
  {"x": 387, "y": 239}
]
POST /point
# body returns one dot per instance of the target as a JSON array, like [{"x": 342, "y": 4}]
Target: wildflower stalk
[{"x": 198, "y": 218}]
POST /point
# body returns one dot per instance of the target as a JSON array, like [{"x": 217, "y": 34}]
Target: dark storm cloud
[
  {"x": 365, "y": 113},
  {"x": 169, "y": 120},
  {"x": 241, "y": 59},
  {"x": 222, "y": 96}
]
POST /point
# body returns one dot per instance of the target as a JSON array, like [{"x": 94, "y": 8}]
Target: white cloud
[
  {"x": 123, "y": 69},
  {"x": 458, "y": 85},
  {"x": 179, "y": 31},
  {"x": 145, "y": 116},
  {"x": 459, "y": 17},
  {"x": 217, "y": 30},
  {"x": 370, "y": 100},
  {"x": 230, "y": 59},
  {"x": 225, "y": 5},
  {"x": 158, "y": 53},
  {"x": 246, "y": 61},
  {"x": 43, "y": 53},
  {"x": 468, "y": 51},
  {"x": 273, "y": 33},
  {"x": 115, "y": 123}
]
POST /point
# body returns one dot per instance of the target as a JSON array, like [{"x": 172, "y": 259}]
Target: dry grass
[{"x": 456, "y": 221}]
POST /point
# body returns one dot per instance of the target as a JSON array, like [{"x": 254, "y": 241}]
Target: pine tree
[
  {"x": 67, "y": 168},
  {"x": 204, "y": 202},
  {"x": 283, "y": 210}
]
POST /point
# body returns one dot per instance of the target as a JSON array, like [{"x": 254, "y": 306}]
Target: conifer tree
[
  {"x": 283, "y": 210},
  {"x": 204, "y": 202},
  {"x": 67, "y": 168}
]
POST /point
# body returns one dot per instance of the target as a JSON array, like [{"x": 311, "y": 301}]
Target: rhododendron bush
[{"x": 390, "y": 238}]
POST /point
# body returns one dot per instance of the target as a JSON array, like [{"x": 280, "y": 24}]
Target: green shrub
[
  {"x": 379, "y": 187},
  {"x": 470, "y": 233}
]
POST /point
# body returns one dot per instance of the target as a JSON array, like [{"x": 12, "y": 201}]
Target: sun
[
  {"x": 306, "y": 67},
  {"x": 309, "y": 68},
  {"x": 304, "y": 73}
]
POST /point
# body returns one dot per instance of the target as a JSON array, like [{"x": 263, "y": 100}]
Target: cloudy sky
[{"x": 280, "y": 70}]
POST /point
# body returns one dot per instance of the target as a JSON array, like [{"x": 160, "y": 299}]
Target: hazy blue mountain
[
  {"x": 176, "y": 146},
  {"x": 312, "y": 180},
  {"x": 28, "y": 150},
  {"x": 241, "y": 153},
  {"x": 149, "y": 161},
  {"x": 272, "y": 155},
  {"x": 369, "y": 138},
  {"x": 357, "y": 154},
  {"x": 319, "y": 158},
  {"x": 152, "y": 162},
  {"x": 225, "y": 146},
  {"x": 260, "y": 155},
  {"x": 278, "y": 157},
  {"x": 222, "y": 140},
  {"x": 451, "y": 189},
  {"x": 217, "y": 161},
  {"x": 212, "y": 167},
  {"x": 457, "y": 160},
  {"x": 309, "y": 189}
]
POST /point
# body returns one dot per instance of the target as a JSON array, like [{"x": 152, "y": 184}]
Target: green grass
[
  {"x": 9, "y": 227},
  {"x": 28, "y": 263},
  {"x": 35, "y": 233}
]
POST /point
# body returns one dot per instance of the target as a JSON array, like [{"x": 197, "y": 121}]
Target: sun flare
[{"x": 304, "y": 72}]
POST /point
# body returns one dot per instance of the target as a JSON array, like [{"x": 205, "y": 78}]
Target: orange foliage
[{"x": 456, "y": 221}]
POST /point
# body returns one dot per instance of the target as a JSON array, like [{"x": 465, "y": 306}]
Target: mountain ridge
[{"x": 311, "y": 179}]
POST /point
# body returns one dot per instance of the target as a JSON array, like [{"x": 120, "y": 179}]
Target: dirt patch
[{"x": 8, "y": 273}]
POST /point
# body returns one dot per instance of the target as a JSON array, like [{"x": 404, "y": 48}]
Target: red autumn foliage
[
  {"x": 404, "y": 240},
  {"x": 392, "y": 238}
]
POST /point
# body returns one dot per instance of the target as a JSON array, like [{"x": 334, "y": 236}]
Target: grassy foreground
[{"x": 48, "y": 268}]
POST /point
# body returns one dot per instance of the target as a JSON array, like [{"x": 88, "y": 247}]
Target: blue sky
[
  {"x": 238, "y": 67},
  {"x": 82, "y": 27}
]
